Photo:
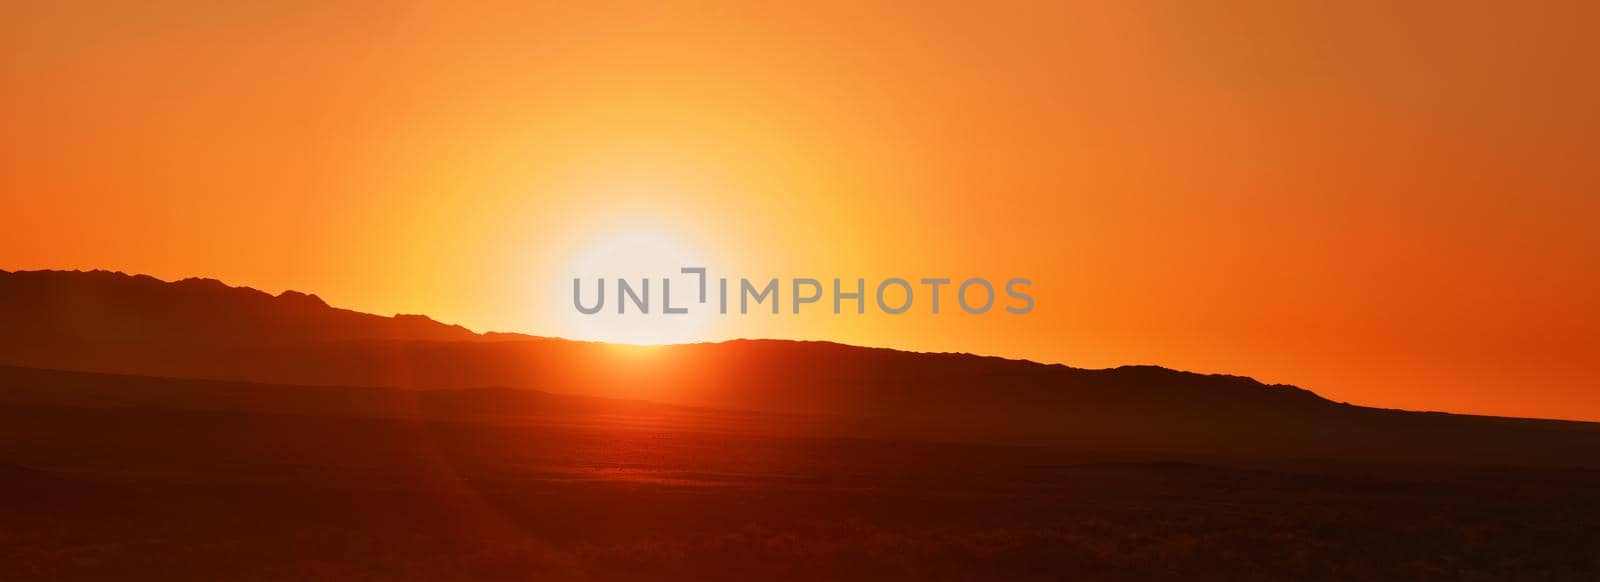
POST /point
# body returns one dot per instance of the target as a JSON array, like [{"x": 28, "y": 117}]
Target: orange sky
[{"x": 1393, "y": 206}]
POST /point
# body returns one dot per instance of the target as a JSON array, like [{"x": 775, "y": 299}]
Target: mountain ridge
[
  {"x": 294, "y": 339},
  {"x": 116, "y": 306},
  {"x": 302, "y": 300}
]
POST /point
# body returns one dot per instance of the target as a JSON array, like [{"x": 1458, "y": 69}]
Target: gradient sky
[{"x": 1390, "y": 205}]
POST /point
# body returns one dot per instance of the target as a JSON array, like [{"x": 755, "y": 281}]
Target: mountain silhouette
[
  {"x": 104, "y": 306},
  {"x": 202, "y": 329}
]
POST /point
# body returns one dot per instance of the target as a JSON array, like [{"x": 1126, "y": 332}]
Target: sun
[{"x": 634, "y": 255}]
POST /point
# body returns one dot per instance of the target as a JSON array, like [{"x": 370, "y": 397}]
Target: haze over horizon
[{"x": 1391, "y": 204}]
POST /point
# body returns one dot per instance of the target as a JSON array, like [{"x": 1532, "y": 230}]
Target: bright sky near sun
[{"x": 1391, "y": 205}]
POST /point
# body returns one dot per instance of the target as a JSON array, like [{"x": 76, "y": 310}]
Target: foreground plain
[{"x": 117, "y": 477}]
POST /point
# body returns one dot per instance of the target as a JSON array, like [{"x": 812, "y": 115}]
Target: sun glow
[{"x": 634, "y": 256}]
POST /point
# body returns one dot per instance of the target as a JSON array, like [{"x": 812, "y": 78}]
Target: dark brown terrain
[{"x": 193, "y": 430}]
